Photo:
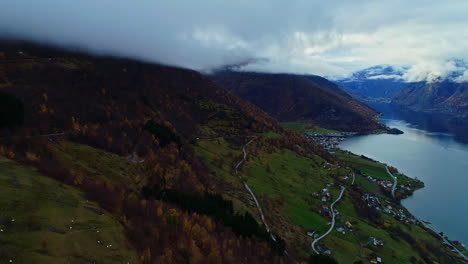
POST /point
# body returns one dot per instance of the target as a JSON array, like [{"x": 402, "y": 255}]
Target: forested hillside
[
  {"x": 111, "y": 160},
  {"x": 290, "y": 97}
]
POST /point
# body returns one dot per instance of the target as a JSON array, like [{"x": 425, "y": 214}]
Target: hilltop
[{"x": 170, "y": 167}]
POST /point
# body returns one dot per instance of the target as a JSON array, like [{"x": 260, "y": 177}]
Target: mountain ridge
[{"x": 290, "y": 97}]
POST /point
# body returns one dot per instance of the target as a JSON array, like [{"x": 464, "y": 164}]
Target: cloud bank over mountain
[{"x": 332, "y": 38}]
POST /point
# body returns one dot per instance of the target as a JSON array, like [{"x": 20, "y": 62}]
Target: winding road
[
  {"x": 395, "y": 181},
  {"x": 260, "y": 211},
  {"x": 332, "y": 222},
  {"x": 259, "y": 208}
]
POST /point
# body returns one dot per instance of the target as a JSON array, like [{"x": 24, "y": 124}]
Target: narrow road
[
  {"x": 332, "y": 223},
  {"x": 259, "y": 208},
  {"x": 354, "y": 177},
  {"x": 395, "y": 181},
  {"x": 444, "y": 239},
  {"x": 260, "y": 211}
]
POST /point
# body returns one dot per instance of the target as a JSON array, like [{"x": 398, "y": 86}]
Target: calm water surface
[{"x": 435, "y": 151}]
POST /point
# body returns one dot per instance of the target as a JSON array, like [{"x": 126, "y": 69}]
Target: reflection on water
[
  {"x": 438, "y": 123},
  {"x": 432, "y": 150}
]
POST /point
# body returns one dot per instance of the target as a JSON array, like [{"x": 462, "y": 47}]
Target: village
[
  {"x": 329, "y": 141},
  {"x": 345, "y": 226},
  {"x": 382, "y": 201}
]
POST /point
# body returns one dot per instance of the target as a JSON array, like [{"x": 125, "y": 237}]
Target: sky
[{"x": 328, "y": 38}]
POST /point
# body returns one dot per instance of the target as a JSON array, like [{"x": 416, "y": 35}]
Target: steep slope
[
  {"x": 378, "y": 83},
  {"x": 156, "y": 148},
  {"x": 445, "y": 97},
  {"x": 40, "y": 215},
  {"x": 294, "y": 97},
  {"x": 75, "y": 112}
]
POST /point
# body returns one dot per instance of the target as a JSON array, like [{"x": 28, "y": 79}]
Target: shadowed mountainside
[
  {"x": 444, "y": 97},
  {"x": 291, "y": 97}
]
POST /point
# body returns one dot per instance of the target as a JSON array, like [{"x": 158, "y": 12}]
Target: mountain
[
  {"x": 446, "y": 97},
  {"x": 377, "y": 83},
  {"x": 111, "y": 160},
  {"x": 130, "y": 138},
  {"x": 290, "y": 97}
]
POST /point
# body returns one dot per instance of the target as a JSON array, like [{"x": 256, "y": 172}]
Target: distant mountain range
[
  {"x": 290, "y": 97},
  {"x": 377, "y": 83},
  {"x": 446, "y": 94},
  {"x": 438, "y": 97}
]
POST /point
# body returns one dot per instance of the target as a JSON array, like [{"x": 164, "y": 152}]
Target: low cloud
[
  {"x": 433, "y": 71},
  {"x": 332, "y": 38},
  {"x": 463, "y": 77}
]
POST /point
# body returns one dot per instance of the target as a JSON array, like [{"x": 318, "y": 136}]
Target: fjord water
[{"x": 433, "y": 149}]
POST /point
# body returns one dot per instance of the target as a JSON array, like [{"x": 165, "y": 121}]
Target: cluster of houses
[
  {"x": 405, "y": 188},
  {"x": 378, "y": 242},
  {"x": 384, "y": 183},
  {"x": 324, "y": 195},
  {"x": 387, "y": 184},
  {"x": 328, "y": 142},
  {"x": 373, "y": 201}
]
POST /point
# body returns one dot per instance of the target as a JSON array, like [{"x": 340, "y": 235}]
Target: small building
[
  {"x": 378, "y": 242},
  {"x": 337, "y": 215},
  {"x": 326, "y": 211},
  {"x": 340, "y": 229},
  {"x": 349, "y": 226}
]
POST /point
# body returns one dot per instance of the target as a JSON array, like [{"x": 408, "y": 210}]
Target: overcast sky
[{"x": 332, "y": 37}]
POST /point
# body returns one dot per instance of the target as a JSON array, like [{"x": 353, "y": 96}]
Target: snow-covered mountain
[
  {"x": 377, "y": 83},
  {"x": 438, "y": 88},
  {"x": 384, "y": 82}
]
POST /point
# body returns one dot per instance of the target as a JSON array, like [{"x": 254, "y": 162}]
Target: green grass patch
[
  {"x": 219, "y": 158},
  {"x": 100, "y": 164},
  {"x": 291, "y": 179},
  {"x": 302, "y": 127},
  {"x": 369, "y": 167},
  {"x": 271, "y": 134},
  {"x": 37, "y": 213}
]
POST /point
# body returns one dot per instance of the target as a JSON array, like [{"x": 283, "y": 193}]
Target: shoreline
[{"x": 445, "y": 241}]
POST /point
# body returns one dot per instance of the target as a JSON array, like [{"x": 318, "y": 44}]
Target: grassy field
[
  {"x": 290, "y": 178},
  {"x": 45, "y": 221},
  {"x": 220, "y": 158},
  {"x": 302, "y": 127},
  {"x": 371, "y": 168},
  {"x": 100, "y": 164},
  {"x": 271, "y": 134}
]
